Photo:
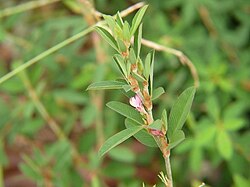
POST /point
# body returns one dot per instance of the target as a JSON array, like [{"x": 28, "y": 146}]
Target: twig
[
  {"x": 46, "y": 53},
  {"x": 182, "y": 57},
  {"x": 24, "y": 7},
  {"x": 61, "y": 45},
  {"x": 126, "y": 12}
]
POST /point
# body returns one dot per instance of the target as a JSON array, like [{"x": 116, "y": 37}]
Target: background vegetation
[{"x": 51, "y": 128}]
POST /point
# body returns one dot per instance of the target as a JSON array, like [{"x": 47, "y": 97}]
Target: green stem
[
  {"x": 46, "y": 53},
  {"x": 1, "y": 167},
  {"x": 168, "y": 170},
  {"x": 24, "y": 7}
]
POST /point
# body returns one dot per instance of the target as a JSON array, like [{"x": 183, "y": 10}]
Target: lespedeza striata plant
[{"x": 164, "y": 133}]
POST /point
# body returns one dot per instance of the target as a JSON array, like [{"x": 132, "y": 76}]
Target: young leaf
[
  {"x": 143, "y": 136},
  {"x": 146, "y": 71},
  {"x": 126, "y": 32},
  {"x": 180, "y": 111},
  {"x": 119, "y": 20},
  {"x": 157, "y": 93},
  {"x": 121, "y": 64},
  {"x": 164, "y": 120},
  {"x": 137, "y": 19},
  {"x": 117, "y": 139},
  {"x": 177, "y": 138},
  {"x": 152, "y": 72},
  {"x": 110, "y": 21},
  {"x": 137, "y": 41},
  {"x": 108, "y": 37},
  {"x": 104, "y": 85},
  {"x": 121, "y": 45},
  {"x": 128, "y": 68},
  {"x": 132, "y": 57},
  {"x": 126, "y": 111}
]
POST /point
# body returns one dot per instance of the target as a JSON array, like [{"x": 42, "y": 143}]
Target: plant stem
[
  {"x": 46, "y": 53},
  {"x": 62, "y": 44},
  {"x": 24, "y": 7},
  {"x": 168, "y": 170},
  {"x": 1, "y": 166},
  {"x": 182, "y": 57}
]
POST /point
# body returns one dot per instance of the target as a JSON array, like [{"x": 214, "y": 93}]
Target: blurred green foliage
[{"x": 214, "y": 35}]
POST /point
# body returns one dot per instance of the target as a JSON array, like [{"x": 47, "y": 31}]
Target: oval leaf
[
  {"x": 126, "y": 111},
  {"x": 142, "y": 136},
  {"x": 158, "y": 92},
  {"x": 180, "y": 111},
  {"x": 105, "y": 85},
  {"x": 117, "y": 139}
]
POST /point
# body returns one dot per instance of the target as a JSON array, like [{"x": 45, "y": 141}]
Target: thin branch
[
  {"x": 125, "y": 12},
  {"x": 46, "y": 53},
  {"x": 182, "y": 57},
  {"x": 24, "y": 7},
  {"x": 61, "y": 45}
]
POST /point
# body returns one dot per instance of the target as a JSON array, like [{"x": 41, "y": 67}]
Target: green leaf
[
  {"x": 138, "y": 77},
  {"x": 121, "y": 45},
  {"x": 121, "y": 64},
  {"x": 164, "y": 120},
  {"x": 110, "y": 21},
  {"x": 234, "y": 124},
  {"x": 105, "y": 85},
  {"x": 117, "y": 139},
  {"x": 108, "y": 37},
  {"x": 152, "y": 72},
  {"x": 180, "y": 111},
  {"x": 146, "y": 71},
  {"x": 241, "y": 181},
  {"x": 126, "y": 111},
  {"x": 119, "y": 20},
  {"x": 177, "y": 138},
  {"x": 142, "y": 136},
  {"x": 224, "y": 145},
  {"x": 213, "y": 107},
  {"x": 157, "y": 93},
  {"x": 157, "y": 124},
  {"x": 132, "y": 57},
  {"x": 137, "y": 19},
  {"x": 122, "y": 154},
  {"x": 126, "y": 32},
  {"x": 137, "y": 41},
  {"x": 126, "y": 88}
]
